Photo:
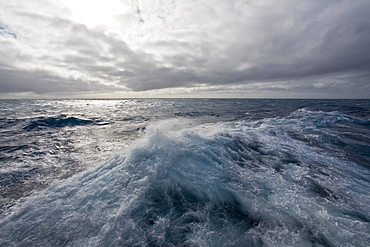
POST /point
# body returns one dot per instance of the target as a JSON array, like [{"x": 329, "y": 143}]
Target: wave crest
[
  {"x": 237, "y": 183},
  {"x": 56, "y": 122}
]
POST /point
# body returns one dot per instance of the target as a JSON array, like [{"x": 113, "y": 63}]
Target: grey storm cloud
[
  {"x": 12, "y": 81},
  {"x": 264, "y": 45}
]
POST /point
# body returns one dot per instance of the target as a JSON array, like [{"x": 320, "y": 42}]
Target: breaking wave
[
  {"x": 56, "y": 122},
  {"x": 272, "y": 182}
]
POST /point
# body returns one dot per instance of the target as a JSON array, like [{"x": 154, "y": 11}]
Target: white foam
[{"x": 217, "y": 184}]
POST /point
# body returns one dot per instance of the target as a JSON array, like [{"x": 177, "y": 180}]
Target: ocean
[{"x": 185, "y": 172}]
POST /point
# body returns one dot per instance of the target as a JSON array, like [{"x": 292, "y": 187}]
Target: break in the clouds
[{"x": 205, "y": 48}]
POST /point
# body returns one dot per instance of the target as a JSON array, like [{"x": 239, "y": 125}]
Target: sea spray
[{"x": 271, "y": 182}]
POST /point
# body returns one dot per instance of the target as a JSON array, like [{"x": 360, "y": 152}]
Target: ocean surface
[{"x": 185, "y": 172}]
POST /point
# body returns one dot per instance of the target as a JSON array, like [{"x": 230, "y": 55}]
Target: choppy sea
[{"x": 185, "y": 172}]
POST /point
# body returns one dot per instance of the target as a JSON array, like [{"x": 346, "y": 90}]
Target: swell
[
  {"x": 56, "y": 122},
  {"x": 273, "y": 182}
]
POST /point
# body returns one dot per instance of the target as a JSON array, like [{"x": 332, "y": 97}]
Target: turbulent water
[{"x": 185, "y": 172}]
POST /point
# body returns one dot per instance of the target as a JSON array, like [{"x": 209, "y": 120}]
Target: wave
[
  {"x": 56, "y": 122},
  {"x": 273, "y": 182}
]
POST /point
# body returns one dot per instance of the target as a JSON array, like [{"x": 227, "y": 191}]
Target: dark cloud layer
[
  {"x": 42, "y": 82},
  {"x": 255, "y": 48}
]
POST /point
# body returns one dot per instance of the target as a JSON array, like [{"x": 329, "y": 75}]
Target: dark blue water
[{"x": 185, "y": 172}]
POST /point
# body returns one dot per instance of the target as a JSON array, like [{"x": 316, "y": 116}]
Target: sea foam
[{"x": 260, "y": 183}]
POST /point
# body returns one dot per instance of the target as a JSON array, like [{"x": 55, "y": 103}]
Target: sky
[{"x": 185, "y": 48}]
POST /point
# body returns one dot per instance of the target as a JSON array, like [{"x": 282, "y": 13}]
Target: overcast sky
[{"x": 185, "y": 48}]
